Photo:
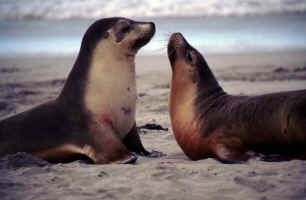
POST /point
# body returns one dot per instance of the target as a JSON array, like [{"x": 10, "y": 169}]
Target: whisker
[
  {"x": 163, "y": 43},
  {"x": 167, "y": 34},
  {"x": 161, "y": 40},
  {"x": 159, "y": 50}
]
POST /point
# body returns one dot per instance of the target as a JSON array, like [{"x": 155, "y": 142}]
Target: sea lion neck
[
  {"x": 207, "y": 84},
  {"x": 112, "y": 75},
  {"x": 208, "y": 92},
  {"x": 72, "y": 93},
  {"x": 181, "y": 102},
  {"x": 89, "y": 69}
]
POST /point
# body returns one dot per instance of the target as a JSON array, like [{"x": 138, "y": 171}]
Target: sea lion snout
[
  {"x": 145, "y": 31},
  {"x": 182, "y": 55},
  {"x": 147, "y": 27},
  {"x": 172, "y": 47},
  {"x": 176, "y": 40},
  {"x": 176, "y": 37},
  {"x": 177, "y": 46}
]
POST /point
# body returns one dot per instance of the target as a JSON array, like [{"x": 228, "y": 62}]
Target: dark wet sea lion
[
  {"x": 208, "y": 122},
  {"x": 95, "y": 113}
]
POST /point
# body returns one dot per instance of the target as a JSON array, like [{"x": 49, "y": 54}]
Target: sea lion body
[
  {"x": 94, "y": 115},
  {"x": 207, "y": 122},
  {"x": 118, "y": 91}
]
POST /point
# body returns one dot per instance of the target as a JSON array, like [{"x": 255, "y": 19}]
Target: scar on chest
[
  {"x": 106, "y": 120},
  {"x": 126, "y": 110}
]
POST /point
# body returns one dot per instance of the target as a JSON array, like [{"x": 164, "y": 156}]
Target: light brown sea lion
[
  {"x": 94, "y": 115},
  {"x": 208, "y": 122}
]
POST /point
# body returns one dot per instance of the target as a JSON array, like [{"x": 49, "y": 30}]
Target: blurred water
[
  {"x": 209, "y": 34},
  {"x": 241, "y": 34},
  {"x": 80, "y": 9}
]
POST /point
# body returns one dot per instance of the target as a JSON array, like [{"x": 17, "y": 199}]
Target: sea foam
[{"x": 79, "y": 9}]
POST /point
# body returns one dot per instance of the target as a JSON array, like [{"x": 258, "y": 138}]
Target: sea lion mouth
[
  {"x": 175, "y": 43},
  {"x": 171, "y": 53},
  {"x": 178, "y": 39},
  {"x": 144, "y": 38}
]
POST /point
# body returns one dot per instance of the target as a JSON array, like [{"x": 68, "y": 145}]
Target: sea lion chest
[{"x": 111, "y": 94}]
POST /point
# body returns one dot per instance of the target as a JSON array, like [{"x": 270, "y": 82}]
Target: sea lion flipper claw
[
  {"x": 133, "y": 143},
  {"x": 156, "y": 154},
  {"x": 230, "y": 155},
  {"x": 130, "y": 160}
]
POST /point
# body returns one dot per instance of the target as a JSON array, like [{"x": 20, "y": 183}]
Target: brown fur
[
  {"x": 207, "y": 122},
  {"x": 88, "y": 116}
]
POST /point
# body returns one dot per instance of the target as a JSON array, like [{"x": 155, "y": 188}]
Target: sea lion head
[
  {"x": 186, "y": 62},
  {"x": 118, "y": 35},
  {"x": 192, "y": 80},
  {"x": 108, "y": 44}
]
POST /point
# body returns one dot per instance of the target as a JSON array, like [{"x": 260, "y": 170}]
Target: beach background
[{"x": 252, "y": 46}]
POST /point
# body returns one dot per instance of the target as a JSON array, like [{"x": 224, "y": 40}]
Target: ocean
[{"x": 56, "y": 27}]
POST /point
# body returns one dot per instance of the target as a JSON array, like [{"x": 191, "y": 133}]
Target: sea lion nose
[
  {"x": 147, "y": 26},
  {"x": 176, "y": 37},
  {"x": 178, "y": 34}
]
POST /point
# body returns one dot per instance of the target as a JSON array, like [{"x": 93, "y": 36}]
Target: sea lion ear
[{"x": 105, "y": 35}]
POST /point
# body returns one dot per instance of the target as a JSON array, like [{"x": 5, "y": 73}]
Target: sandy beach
[{"x": 29, "y": 81}]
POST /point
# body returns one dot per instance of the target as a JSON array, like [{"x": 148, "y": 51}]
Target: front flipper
[
  {"x": 231, "y": 151},
  {"x": 133, "y": 143},
  {"x": 106, "y": 146}
]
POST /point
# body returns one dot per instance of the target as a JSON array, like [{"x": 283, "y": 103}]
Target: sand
[{"x": 28, "y": 81}]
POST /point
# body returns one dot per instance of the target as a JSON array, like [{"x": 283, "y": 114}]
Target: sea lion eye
[
  {"x": 189, "y": 57},
  {"x": 121, "y": 29},
  {"x": 126, "y": 29}
]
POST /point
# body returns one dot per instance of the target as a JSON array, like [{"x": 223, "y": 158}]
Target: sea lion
[
  {"x": 94, "y": 115},
  {"x": 208, "y": 122}
]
